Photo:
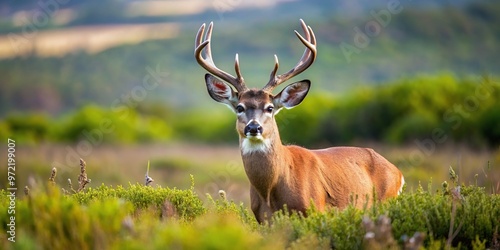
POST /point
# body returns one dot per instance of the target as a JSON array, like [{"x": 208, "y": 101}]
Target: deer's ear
[
  {"x": 221, "y": 92},
  {"x": 292, "y": 95}
]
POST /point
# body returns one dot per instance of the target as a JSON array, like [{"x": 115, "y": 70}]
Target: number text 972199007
[{"x": 12, "y": 189}]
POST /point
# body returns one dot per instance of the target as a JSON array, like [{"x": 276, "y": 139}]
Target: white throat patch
[{"x": 257, "y": 144}]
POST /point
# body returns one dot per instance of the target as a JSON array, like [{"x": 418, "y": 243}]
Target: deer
[{"x": 290, "y": 176}]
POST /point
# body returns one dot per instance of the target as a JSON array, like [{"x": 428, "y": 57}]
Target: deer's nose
[{"x": 253, "y": 128}]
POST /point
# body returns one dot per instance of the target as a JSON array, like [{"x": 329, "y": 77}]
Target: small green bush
[{"x": 186, "y": 202}]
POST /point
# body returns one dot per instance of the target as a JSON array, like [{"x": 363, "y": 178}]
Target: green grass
[{"x": 138, "y": 217}]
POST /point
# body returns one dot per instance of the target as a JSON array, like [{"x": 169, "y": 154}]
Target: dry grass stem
[
  {"x": 70, "y": 186},
  {"x": 456, "y": 198},
  {"x": 53, "y": 175},
  {"x": 82, "y": 178}
]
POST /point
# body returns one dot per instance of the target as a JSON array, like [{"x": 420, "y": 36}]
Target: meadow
[
  {"x": 420, "y": 132},
  {"x": 199, "y": 196},
  {"x": 115, "y": 83},
  {"x": 51, "y": 215}
]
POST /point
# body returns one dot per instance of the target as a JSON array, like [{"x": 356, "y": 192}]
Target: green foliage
[
  {"x": 475, "y": 221},
  {"x": 223, "y": 206},
  {"x": 338, "y": 229},
  {"x": 186, "y": 202},
  {"x": 211, "y": 231},
  {"x": 488, "y": 123},
  {"x": 300, "y": 125},
  {"x": 207, "y": 126},
  {"x": 28, "y": 128},
  {"x": 441, "y": 108},
  {"x": 406, "y": 46},
  {"x": 91, "y": 123},
  {"x": 50, "y": 220},
  {"x": 132, "y": 218},
  {"x": 124, "y": 125},
  {"x": 107, "y": 218},
  {"x": 476, "y": 214}
]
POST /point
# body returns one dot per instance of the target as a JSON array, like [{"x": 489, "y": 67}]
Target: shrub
[
  {"x": 27, "y": 128},
  {"x": 432, "y": 213},
  {"x": 399, "y": 112},
  {"x": 186, "y": 202},
  {"x": 50, "y": 220},
  {"x": 98, "y": 125},
  {"x": 134, "y": 218}
]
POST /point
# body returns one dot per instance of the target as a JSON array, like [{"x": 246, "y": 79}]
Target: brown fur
[
  {"x": 291, "y": 175},
  {"x": 297, "y": 177}
]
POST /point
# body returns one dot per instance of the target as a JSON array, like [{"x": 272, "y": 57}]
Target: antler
[
  {"x": 305, "y": 61},
  {"x": 208, "y": 63}
]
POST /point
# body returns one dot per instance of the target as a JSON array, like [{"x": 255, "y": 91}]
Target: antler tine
[
  {"x": 305, "y": 61},
  {"x": 276, "y": 66},
  {"x": 207, "y": 61},
  {"x": 237, "y": 68},
  {"x": 198, "y": 39},
  {"x": 208, "y": 36}
]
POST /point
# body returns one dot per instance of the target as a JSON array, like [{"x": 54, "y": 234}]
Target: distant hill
[
  {"x": 92, "y": 12},
  {"x": 420, "y": 37}
]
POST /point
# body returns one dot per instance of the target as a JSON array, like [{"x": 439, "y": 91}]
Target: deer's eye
[
  {"x": 240, "y": 109},
  {"x": 269, "y": 109}
]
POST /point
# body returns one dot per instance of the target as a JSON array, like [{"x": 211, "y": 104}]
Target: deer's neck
[{"x": 266, "y": 162}]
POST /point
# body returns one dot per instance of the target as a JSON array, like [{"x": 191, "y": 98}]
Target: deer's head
[{"x": 255, "y": 108}]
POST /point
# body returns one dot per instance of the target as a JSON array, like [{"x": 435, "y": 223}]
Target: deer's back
[{"x": 353, "y": 171}]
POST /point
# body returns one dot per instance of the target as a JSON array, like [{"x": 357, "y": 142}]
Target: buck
[{"x": 290, "y": 175}]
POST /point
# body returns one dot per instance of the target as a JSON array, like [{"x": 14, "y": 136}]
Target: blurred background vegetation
[{"x": 115, "y": 82}]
